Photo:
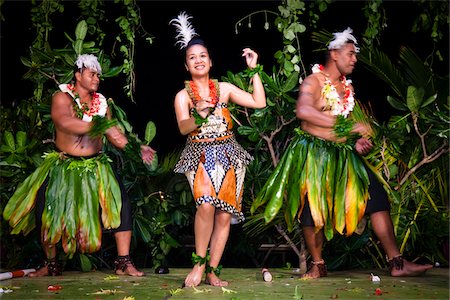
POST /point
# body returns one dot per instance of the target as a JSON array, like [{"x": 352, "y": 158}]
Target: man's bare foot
[
  {"x": 51, "y": 268},
  {"x": 316, "y": 270},
  {"x": 195, "y": 276},
  {"x": 400, "y": 267},
  {"x": 213, "y": 280},
  {"x": 40, "y": 272},
  {"x": 124, "y": 266}
]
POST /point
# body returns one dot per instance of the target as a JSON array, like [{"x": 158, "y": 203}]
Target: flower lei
[
  {"x": 214, "y": 96},
  {"x": 214, "y": 92},
  {"x": 338, "y": 106},
  {"x": 82, "y": 110}
]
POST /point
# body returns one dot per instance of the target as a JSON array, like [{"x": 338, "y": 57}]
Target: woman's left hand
[{"x": 251, "y": 57}]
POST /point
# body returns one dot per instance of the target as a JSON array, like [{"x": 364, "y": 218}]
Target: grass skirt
[
  {"x": 331, "y": 176},
  {"x": 76, "y": 190}
]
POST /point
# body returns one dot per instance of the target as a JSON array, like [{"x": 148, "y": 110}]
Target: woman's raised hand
[{"x": 251, "y": 57}]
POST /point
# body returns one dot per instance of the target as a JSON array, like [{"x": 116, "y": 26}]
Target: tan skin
[
  {"x": 72, "y": 138},
  {"x": 212, "y": 226},
  {"x": 320, "y": 123}
]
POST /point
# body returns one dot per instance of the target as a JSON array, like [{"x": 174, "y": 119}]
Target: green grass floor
[{"x": 244, "y": 284}]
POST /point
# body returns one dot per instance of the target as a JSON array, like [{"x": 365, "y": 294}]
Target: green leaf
[
  {"x": 397, "y": 104},
  {"x": 414, "y": 98},
  {"x": 21, "y": 139},
  {"x": 245, "y": 130},
  {"x": 25, "y": 61},
  {"x": 113, "y": 72},
  {"x": 150, "y": 132},
  {"x": 78, "y": 47},
  {"x": 429, "y": 100},
  {"x": 9, "y": 140},
  {"x": 85, "y": 263},
  {"x": 88, "y": 45},
  {"x": 290, "y": 83},
  {"x": 81, "y": 30}
]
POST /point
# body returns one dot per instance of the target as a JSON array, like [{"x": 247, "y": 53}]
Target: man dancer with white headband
[
  {"x": 332, "y": 188},
  {"x": 75, "y": 183}
]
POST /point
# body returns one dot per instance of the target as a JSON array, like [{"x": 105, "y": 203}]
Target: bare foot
[
  {"x": 40, "y": 272},
  {"x": 409, "y": 269},
  {"x": 130, "y": 270},
  {"x": 124, "y": 266},
  {"x": 316, "y": 270},
  {"x": 195, "y": 276},
  {"x": 213, "y": 280}
]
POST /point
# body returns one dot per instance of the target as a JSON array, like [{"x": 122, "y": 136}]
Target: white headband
[
  {"x": 342, "y": 38},
  {"x": 184, "y": 29},
  {"x": 88, "y": 61}
]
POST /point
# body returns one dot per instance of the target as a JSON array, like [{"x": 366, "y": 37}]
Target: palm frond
[{"x": 380, "y": 64}]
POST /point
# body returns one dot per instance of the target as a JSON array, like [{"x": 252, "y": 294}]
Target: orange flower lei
[{"x": 214, "y": 92}]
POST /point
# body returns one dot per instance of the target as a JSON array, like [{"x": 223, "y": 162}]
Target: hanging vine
[{"x": 130, "y": 23}]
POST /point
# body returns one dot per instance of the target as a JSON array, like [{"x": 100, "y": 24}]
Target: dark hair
[{"x": 196, "y": 41}]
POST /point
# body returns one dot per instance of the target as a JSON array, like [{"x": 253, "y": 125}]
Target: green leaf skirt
[
  {"x": 330, "y": 176},
  {"x": 76, "y": 190}
]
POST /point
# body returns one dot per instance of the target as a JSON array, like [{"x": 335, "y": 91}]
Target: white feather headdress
[
  {"x": 88, "y": 61},
  {"x": 184, "y": 29},
  {"x": 341, "y": 38}
]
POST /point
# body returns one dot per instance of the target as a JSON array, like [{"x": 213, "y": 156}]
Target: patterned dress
[{"x": 214, "y": 164}]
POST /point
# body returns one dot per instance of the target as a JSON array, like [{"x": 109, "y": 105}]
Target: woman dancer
[{"x": 213, "y": 162}]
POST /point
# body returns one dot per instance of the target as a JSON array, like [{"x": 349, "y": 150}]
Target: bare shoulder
[
  {"x": 61, "y": 99},
  {"x": 182, "y": 98},
  {"x": 311, "y": 82},
  {"x": 226, "y": 88}
]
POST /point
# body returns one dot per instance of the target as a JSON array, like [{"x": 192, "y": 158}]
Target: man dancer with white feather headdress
[
  {"x": 322, "y": 175},
  {"x": 75, "y": 191},
  {"x": 212, "y": 160}
]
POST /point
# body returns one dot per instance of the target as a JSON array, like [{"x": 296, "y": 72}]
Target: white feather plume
[
  {"x": 341, "y": 38},
  {"x": 184, "y": 29}
]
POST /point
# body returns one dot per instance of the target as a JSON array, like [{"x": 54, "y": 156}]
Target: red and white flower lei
[
  {"x": 99, "y": 104},
  {"x": 337, "y": 105}
]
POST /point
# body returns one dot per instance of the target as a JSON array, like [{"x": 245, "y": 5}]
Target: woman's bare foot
[
  {"x": 213, "y": 280},
  {"x": 124, "y": 266},
  {"x": 195, "y": 276},
  {"x": 400, "y": 267},
  {"x": 316, "y": 270}
]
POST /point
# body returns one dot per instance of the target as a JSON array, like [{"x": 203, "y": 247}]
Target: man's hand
[
  {"x": 147, "y": 154},
  {"x": 362, "y": 129},
  {"x": 363, "y": 146}
]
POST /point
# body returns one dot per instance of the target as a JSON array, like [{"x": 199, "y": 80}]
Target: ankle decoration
[
  {"x": 321, "y": 267},
  {"x": 197, "y": 259},
  {"x": 216, "y": 270},
  {"x": 122, "y": 262},
  {"x": 53, "y": 267},
  {"x": 396, "y": 263},
  {"x": 319, "y": 262}
]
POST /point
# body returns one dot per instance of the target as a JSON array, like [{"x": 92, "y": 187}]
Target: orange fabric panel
[
  {"x": 227, "y": 191},
  {"x": 202, "y": 183}
]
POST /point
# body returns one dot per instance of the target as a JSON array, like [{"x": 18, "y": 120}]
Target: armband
[
  {"x": 133, "y": 149},
  {"x": 100, "y": 125},
  {"x": 251, "y": 72}
]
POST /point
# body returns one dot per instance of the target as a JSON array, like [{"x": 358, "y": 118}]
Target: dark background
[{"x": 160, "y": 68}]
